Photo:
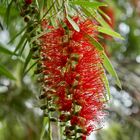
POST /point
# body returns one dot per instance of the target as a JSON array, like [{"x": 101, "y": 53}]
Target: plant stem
[{"x": 49, "y": 130}]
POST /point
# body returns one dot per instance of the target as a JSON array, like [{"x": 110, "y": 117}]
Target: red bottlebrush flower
[
  {"x": 74, "y": 120},
  {"x": 73, "y": 68},
  {"x": 28, "y": 1},
  {"x": 65, "y": 104}
]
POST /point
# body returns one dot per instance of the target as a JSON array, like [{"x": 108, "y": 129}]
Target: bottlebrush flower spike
[{"x": 72, "y": 77}]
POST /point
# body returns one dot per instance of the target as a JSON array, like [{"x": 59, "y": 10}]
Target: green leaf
[
  {"x": 5, "y": 72},
  {"x": 100, "y": 19},
  {"x": 104, "y": 14},
  {"x": 37, "y": 3},
  {"x": 8, "y": 12},
  {"x": 95, "y": 42},
  {"x": 4, "y": 50},
  {"x": 108, "y": 66},
  {"x": 45, "y": 123},
  {"x": 21, "y": 43},
  {"x": 39, "y": 35},
  {"x": 22, "y": 30},
  {"x": 27, "y": 61},
  {"x": 74, "y": 25},
  {"x": 23, "y": 47},
  {"x": 94, "y": 14},
  {"x": 106, "y": 29},
  {"x": 89, "y": 4},
  {"x": 109, "y": 32},
  {"x": 30, "y": 67},
  {"x": 41, "y": 7},
  {"x": 105, "y": 80},
  {"x": 87, "y": 12}
]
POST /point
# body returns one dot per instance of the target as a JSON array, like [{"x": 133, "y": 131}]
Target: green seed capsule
[
  {"x": 51, "y": 109},
  {"x": 53, "y": 119},
  {"x": 69, "y": 133},
  {"x": 70, "y": 127},
  {"x": 43, "y": 107},
  {"x": 34, "y": 49},
  {"x": 75, "y": 57},
  {"x": 79, "y": 131},
  {"x": 34, "y": 10},
  {"x": 38, "y": 71},
  {"x": 43, "y": 96},
  {"x": 27, "y": 18},
  {"x": 36, "y": 56},
  {"x": 27, "y": 12},
  {"x": 22, "y": 13}
]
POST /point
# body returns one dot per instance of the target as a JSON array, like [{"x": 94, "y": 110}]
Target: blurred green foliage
[{"x": 124, "y": 117}]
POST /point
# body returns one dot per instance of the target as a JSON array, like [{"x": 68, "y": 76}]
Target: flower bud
[
  {"x": 70, "y": 127},
  {"x": 69, "y": 133},
  {"x": 43, "y": 107},
  {"x": 34, "y": 10},
  {"x": 79, "y": 131},
  {"x": 27, "y": 18},
  {"x": 75, "y": 57},
  {"x": 53, "y": 119},
  {"x": 22, "y": 13},
  {"x": 52, "y": 109},
  {"x": 34, "y": 49},
  {"x": 38, "y": 71},
  {"x": 35, "y": 56},
  {"x": 42, "y": 96}
]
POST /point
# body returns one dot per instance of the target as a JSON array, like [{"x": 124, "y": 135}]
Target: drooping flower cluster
[{"x": 72, "y": 77}]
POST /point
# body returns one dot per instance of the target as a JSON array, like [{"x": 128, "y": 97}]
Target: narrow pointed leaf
[
  {"x": 30, "y": 68},
  {"x": 104, "y": 14},
  {"x": 21, "y": 43},
  {"x": 95, "y": 15},
  {"x": 45, "y": 123},
  {"x": 27, "y": 61},
  {"x": 5, "y": 72},
  {"x": 108, "y": 66},
  {"x": 7, "y": 15},
  {"x": 17, "y": 35},
  {"x": 95, "y": 42},
  {"x": 23, "y": 47},
  {"x": 89, "y": 4},
  {"x": 109, "y": 32},
  {"x": 38, "y": 36},
  {"x": 4, "y": 50},
  {"x": 105, "y": 80},
  {"x": 74, "y": 25}
]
